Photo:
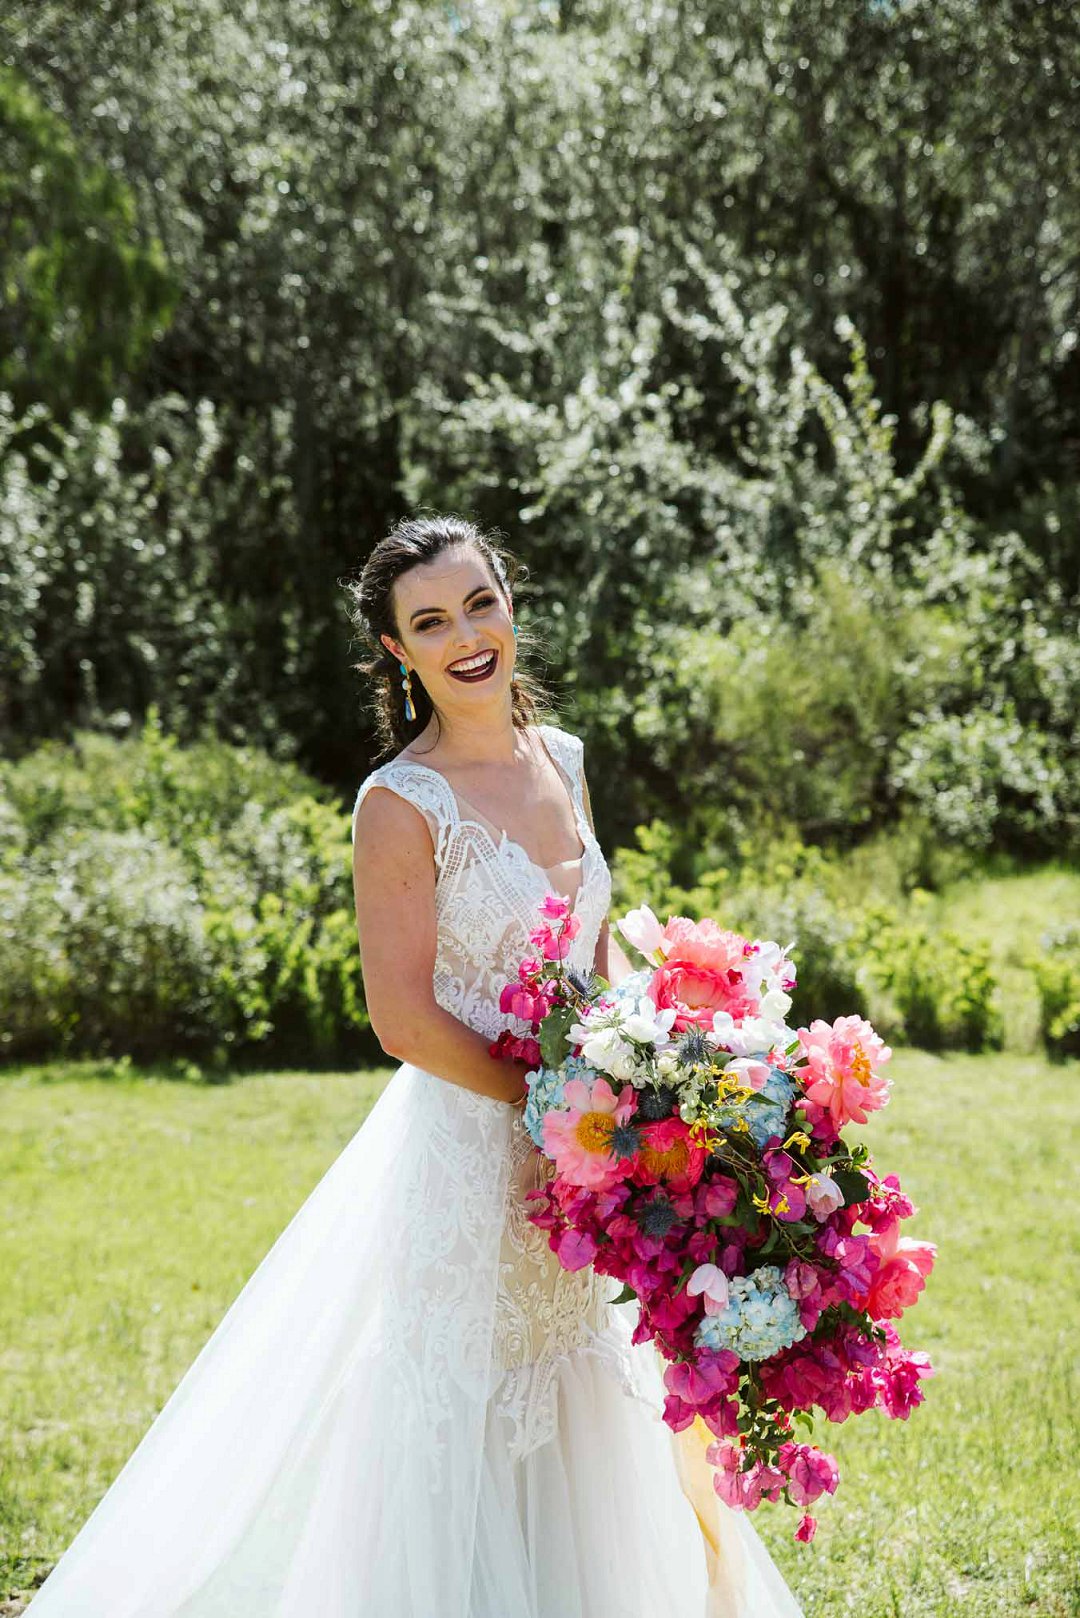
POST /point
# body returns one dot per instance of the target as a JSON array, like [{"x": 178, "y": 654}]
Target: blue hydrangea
[
  {"x": 546, "y": 1092},
  {"x": 761, "y": 1317},
  {"x": 766, "y": 1112},
  {"x": 633, "y": 986}
]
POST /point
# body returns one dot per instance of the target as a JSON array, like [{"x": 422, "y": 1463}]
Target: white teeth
[{"x": 473, "y": 662}]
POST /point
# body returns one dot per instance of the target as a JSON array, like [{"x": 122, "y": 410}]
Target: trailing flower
[{"x": 695, "y": 1141}]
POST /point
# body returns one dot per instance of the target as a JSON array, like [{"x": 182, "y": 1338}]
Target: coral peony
[
  {"x": 901, "y": 1273},
  {"x": 696, "y": 993},
  {"x": 839, "y": 1076},
  {"x": 668, "y": 1154}
]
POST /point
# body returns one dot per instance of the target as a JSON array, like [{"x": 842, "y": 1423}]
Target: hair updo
[{"x": 409, "y": 542}]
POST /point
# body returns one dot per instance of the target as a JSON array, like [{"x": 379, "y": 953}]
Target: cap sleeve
[{"x": 425, "y": 789}]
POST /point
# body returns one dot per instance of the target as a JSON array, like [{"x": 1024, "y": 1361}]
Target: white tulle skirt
[{"x": 335, "y": 1450}]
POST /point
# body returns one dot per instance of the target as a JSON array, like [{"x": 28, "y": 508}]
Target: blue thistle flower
[{"x": 656, "y": 1217}]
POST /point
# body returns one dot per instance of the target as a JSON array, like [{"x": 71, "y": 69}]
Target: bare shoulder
[{"x": 387, "y": 820}]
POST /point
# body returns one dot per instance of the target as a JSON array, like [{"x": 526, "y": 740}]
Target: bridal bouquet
[{"x": 697, "y": 1156}]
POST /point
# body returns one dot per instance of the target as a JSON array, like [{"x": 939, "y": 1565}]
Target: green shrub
[
  {"x": 159, "y": 901},
  {"x": 1057, "y": 977},
  {"x": 928, "y": 987},
  {"x": 853, "y": 953},
  {"x": 773, "y": 891}
]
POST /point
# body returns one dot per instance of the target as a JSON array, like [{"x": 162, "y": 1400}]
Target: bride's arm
[
  {"x": 609, "y": 959},
  {"x": 394, "y": 886}
]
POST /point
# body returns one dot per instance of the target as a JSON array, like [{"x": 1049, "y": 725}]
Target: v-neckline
[{"x": 505, "y": 840}]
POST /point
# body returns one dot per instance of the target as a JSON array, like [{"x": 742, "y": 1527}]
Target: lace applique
[{"x": 486, "y": 895}]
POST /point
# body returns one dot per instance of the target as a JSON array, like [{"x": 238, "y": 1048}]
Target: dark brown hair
[{"x": 411, "y": 541}]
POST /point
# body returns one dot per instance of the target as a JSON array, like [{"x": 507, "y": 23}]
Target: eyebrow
[{"x": 473, "y": 592}]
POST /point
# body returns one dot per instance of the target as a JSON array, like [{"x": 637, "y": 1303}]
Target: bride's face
[{"x": 449, "y": 611}]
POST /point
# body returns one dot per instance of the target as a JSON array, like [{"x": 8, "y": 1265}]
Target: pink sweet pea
[
  {"x": 823, "y": 1196},
  {"x": 713, "y": 1283},
  {"x": 787, "y": 1200},
  {"x": 810, "y": 1472},
  {"x": 555, "y": 946},
  {"x": 748, "y": 1071}
]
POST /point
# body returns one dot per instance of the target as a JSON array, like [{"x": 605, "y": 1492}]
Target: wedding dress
[{"x": 411, "y": 1410}]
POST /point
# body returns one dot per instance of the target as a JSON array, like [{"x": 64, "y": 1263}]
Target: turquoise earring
[
  {"x": 515, "y": 628},
  {"x": 406, "y": 685}
]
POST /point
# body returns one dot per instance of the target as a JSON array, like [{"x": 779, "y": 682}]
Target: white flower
[
  {"x": 607, "y": 1050},
  {"x": 768, "y": 967},
  {"x": 647, "y": 1023},
  {"x": 642, "y": 929},
  {"x": 751, "y": 1036},
  {"x": 822, "y": 1196},
  {"x": 711, "y": 1280},
  {"x": 775, "y": 1005}
]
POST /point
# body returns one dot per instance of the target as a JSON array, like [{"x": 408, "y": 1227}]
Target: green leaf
[
  {"x": 855, "y": 1186},
  {"x": 553, "y": 1045},
  {"x": 625, "y": 1295}
]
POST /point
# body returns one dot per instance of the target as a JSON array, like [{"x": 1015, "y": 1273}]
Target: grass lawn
[{"x": 135, "y": 1207}]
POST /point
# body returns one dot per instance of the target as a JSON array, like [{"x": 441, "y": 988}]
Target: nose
[{"x": 466, "y": 635}]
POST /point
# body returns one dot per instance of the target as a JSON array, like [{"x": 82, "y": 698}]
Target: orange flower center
[
  {"x": 594, "y": 1130},
  {"x": 860, "y": 1065},
  {"x": 674, "y": 1161}
]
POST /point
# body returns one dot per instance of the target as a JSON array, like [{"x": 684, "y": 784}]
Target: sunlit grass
[{"x": 134, "y": 1210}]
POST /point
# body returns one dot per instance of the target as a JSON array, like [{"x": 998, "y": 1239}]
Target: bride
[{"x": 411, "y": 1410}]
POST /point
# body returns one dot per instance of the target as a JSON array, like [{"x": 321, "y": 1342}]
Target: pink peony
[
  {"x": 839, "y": 1075},
  {"x": 579, "y": 1138},
  {"x": 901, "y": 1274},
  {"x": 695, "y": 993},
  {"x": 703, "y": 943}
]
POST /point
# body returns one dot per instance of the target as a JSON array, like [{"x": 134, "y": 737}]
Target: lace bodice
[{"x": 487, "y": 890}]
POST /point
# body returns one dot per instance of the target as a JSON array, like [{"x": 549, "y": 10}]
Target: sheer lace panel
[{"x": 487, "y": 890}]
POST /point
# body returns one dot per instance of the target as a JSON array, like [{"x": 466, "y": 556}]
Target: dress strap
[
  {"x": 425, "y": 789},
  {"x": 568, "y": 751}
]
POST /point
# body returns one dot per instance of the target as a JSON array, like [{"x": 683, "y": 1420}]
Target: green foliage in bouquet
[{"x": 156, "y": 900}]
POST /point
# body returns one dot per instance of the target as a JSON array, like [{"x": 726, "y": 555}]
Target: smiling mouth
[{"x": 474, "y": 669}]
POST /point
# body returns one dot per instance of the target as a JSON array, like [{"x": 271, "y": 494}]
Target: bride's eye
[{"x": 482, "y": 602}]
